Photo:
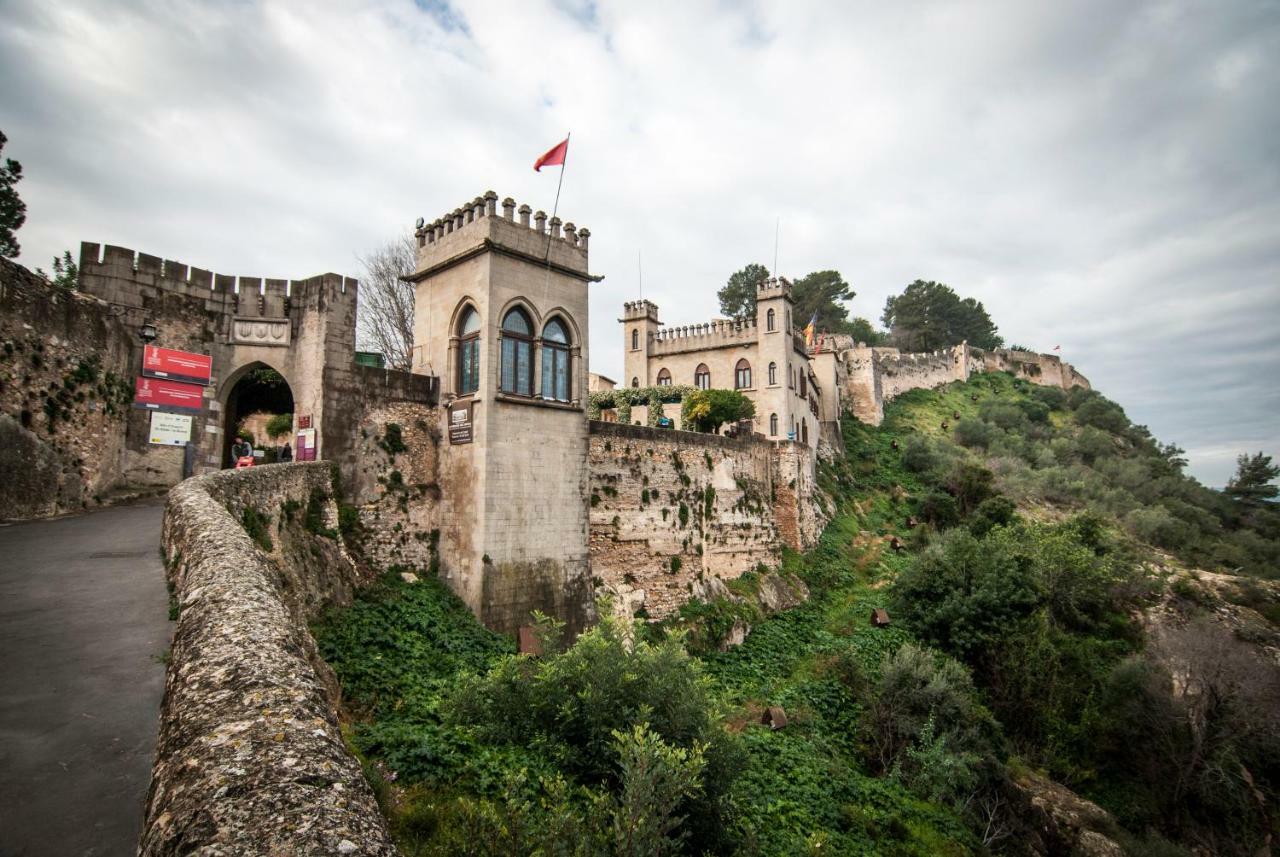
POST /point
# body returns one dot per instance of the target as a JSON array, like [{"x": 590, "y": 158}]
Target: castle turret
[
  {"x": 780, "y": 366},
  {"x": 639, "y": 329},
  {"x": 501, "y": 317}
]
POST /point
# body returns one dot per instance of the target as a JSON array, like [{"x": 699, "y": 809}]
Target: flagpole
[
  {"x": 559, "y": 183},
  {"x": 777, "y": 227}
]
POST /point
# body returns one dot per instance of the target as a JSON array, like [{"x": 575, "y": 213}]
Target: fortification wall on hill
[
  {"x": 670, "y": 509},
  {"x": 250, "y": 757},
  {"x": 869, "y": 376}
]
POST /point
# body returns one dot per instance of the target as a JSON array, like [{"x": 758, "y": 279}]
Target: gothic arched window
[
  {"x": 773, "y": 374},
  {"x": 773, "y": 425},
  {"x": 702, "y": 377},
  {"x": 769, "y": 320},
  {"x": 635, "y": 339},
  {"x": 635, "y": 382},
  {"x": 664, "y": 378},
  {"x": 468, "y": 352},
  {"x": 804, "y": 432},
  {"x": 742, "y": 375},
  {"x": 517, "y": 354},
  {"x": 556, "y": 369}
]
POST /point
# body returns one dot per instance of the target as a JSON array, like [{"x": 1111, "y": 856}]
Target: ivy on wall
[{"x": 623, "y": 398}]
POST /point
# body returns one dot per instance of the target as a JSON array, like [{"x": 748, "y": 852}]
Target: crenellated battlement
[
  {"x": 520, "y": 229},
  {"x": 773, "y": 287},
  {"x": 640, "y": 310},
  {"x": 123, "y": 276},
  {"x": 721, "y": 333}
]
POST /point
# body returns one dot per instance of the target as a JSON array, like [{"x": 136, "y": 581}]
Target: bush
[
  {"x": 938, "y": 508},
  {"x": 1102, "y": 414},
  {"x": 1054, "y": 398},
  {"x": 998, "y": 511},
  {"x": 1007, "y": 415},
  {"x": 970, "y": 484},
  {"x": 973, "y": 433},
  {"x": 568, "y": 707},
  {"x": 921, "y": 699}
]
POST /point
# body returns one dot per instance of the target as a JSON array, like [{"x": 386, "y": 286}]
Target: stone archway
[{"x": 255, "y": 388}]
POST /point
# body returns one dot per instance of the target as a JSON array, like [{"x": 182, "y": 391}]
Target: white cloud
[{"x": 1101, "y": 176}]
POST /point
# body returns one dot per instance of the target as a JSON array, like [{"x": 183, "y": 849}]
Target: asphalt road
[{"x": 83, "y": 628}]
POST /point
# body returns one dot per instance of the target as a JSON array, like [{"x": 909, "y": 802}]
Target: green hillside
[{"x": 1032, "y": 550}]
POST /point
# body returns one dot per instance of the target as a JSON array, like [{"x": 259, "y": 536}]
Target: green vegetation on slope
[{"x": 1014, "y": 642}]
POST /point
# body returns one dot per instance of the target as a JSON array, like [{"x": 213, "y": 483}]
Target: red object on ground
[
  {"x": 173, "y": 365},
  {"x": 244, "y": 461},
  {"x": 554, "y": 157},
  {"x": 156, "y": 394}
]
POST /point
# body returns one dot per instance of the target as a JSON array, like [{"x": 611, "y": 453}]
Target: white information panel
[{"x": 170, "y": 429}]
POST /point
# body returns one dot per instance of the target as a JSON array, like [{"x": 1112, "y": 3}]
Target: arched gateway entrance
[{"x": 259, "y": 402}]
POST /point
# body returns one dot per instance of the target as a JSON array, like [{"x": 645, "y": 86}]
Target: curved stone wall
[{"x": 250, "y": 757}]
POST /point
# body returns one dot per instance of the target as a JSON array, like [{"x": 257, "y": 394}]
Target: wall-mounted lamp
[{"x": 147, "y": 333}]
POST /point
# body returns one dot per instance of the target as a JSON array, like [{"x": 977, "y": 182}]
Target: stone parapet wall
[
  {"x": 671, "y": 509},
  {"x": 250, "y": 757}
]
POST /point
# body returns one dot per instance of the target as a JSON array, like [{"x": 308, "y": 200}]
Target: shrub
[
  {"x": 938, "y": 508},
  {"x": 1102, "y": 414},
  {"x": 973, "y": 433},
  {"x": 569, "y": 705},
  {"x": 1007, "y": 415},
  {"x": 970, "y": 484},
  {"x": 707, "y": 410},
  {"x": 1054, "y": 398},
  {"x": 992, "y": 512},
  {"x": 920, "y": 695}
]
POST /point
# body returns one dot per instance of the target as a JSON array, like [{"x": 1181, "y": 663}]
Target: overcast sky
[{"x": 1103, "y": 176}]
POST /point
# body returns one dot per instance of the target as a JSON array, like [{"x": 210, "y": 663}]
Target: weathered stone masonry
[
  {"x": 669, "y": 510},
  {"x": 250, "y": 758}
]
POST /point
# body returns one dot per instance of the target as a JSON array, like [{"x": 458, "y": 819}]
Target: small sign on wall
[
  {"x": 156, "y": 394},
  {"x": 460, "y": 429},
  {"x": 174, "y": 365},
  {"x": 170, "y": 429},
  {"x": 304, "y": 421},
  {"x": 305, "y": 445}
]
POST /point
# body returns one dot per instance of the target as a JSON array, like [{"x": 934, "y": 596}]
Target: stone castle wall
[
  {"x": 867, "y": 377},
  {"x": 67, "y": 364},
  {"x": 670, "y": 509}
]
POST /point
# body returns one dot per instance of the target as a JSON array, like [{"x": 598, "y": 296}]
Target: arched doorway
[{"x": 259, "y": 403}]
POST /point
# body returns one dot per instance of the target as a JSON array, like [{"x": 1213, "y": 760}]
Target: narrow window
[
  {"x": 742, "y": 375},
  {"x": 773, "y": 374},
  {"x": 664, "y": 378},
  {"x": 635, "y": 383},
  {"x": 804, "y": 432},
  {"x": 773, "y": 425},
  {"x": 635, "y": 339},
  {"x": 517, "y": 354},
  {"x": 702, "y": 377},
  {"x": 769, "y": 320},
  {"x": 804, "y": 387},
  {"x": 469, "y": 352},
  {"x": 555, "y": 361}
]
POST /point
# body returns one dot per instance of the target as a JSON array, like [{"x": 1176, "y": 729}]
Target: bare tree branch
[{"x": 384, "y": 319}]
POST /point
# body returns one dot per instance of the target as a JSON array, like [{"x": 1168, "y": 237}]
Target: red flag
[{"x": 554, "y": 157}]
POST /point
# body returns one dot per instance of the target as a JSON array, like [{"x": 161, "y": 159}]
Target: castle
[{"x": 481, "y": 461}]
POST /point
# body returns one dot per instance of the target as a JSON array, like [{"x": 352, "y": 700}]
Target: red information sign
[
  {"x": 155, "y": 394},
  {"x": 176, "y": 365}
]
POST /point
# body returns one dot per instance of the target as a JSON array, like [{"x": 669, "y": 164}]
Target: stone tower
[
  {"x": 501, "y": 318},
  {"x": 639, "y": 327},
  {"x": 776, "y": 348}
]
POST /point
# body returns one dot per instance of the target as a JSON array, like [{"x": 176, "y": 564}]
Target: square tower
[
  {"x": 501, "y": 317},
  {"x": 639, "y": 327},
  {"x": 780, "y": 365}
]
